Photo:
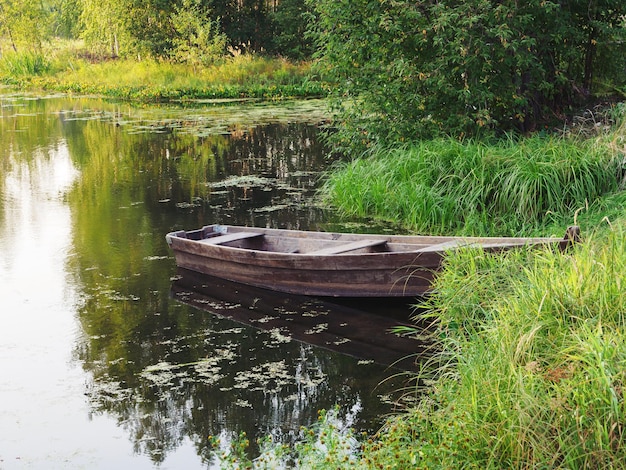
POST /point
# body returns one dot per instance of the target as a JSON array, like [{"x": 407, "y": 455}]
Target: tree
[
  {"x": 414, "y": 69},
  {"x": 65, "y": 15},
  {"x": 104, "y": 27},
  {"x": 23, "y": 23},
  {"x": 198, "y": 40},
  {"x": 291, "y": 20}
]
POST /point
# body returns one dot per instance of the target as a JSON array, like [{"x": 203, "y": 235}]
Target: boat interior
[{"x": 314, "y": 244}]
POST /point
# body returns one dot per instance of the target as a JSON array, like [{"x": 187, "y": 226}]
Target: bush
[
  {"x": 198, "y": 41},
  {"x": 405, "y": 69}
]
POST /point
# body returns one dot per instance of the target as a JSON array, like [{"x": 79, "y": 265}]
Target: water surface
[{"x": 110, "y": 357}]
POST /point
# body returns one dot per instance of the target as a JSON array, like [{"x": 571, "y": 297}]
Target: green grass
[
  {"x": 537, "y": 362},
  {"x": 16, "y": 66},
  {"x": 245, "y": 76},
  {"x": 474, "y": 188}
]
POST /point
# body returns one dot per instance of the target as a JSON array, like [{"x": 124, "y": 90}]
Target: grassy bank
[
  {"x": 69, "y": 71},
  {"x": 474, "y": 188},
  {"x": 531, "y": 350},
  {"x": 537, "y": 363}
]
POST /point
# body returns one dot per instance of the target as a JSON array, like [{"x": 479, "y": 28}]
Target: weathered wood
[
  {"x": 443, "y": 246},
  {"x": 327, "y": 264},
  {"x": 346, "y": 247},
  {"x": 229, "y": 237}
]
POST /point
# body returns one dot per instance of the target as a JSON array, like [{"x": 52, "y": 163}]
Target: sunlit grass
[
  {"x": 70, "y": 69},
  {"x": 16, "y": 66},
  {"x": 446, "y": 186},
  {"x": 538, "y": 360}
]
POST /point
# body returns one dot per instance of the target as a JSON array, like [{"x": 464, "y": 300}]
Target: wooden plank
[
  {"x": 229, "y": 237},
  {"x": 345, "y": 247},
  {"x": 443, "y": 246}
]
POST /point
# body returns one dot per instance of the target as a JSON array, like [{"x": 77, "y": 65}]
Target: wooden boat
[{"x": 329, "y": 264}]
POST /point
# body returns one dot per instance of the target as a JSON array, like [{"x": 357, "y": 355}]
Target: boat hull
[
  {"x": 316, "y": 266},
  {"x": 387, "y": 275}
]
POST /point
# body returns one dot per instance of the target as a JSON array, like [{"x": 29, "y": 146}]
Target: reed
[
  {"x": 446, "y": 186},
  {"x": 16, "y": 66}
]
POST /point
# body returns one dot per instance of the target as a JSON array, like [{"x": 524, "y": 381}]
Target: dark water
[{"x": 109, "y": 356}]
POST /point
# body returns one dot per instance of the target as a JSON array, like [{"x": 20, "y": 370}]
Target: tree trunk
[
  {"x": 115, "y": 47},
  {"x": 590, "y": 53}
]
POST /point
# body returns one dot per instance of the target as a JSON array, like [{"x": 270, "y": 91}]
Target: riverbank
[
  {"x": 531, "y": 353},
  {"x": 241, "y": 77}
]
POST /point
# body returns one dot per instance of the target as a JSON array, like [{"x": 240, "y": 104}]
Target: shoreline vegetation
[
  {"x": 529, "y": 352},
  {"x": 246, "y": 76},
  {"x": 528, "y": 364}
]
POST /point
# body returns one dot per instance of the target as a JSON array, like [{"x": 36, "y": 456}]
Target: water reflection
[
  {"x": 351, "y": 327},
  {"x": 92, "y": 336}
]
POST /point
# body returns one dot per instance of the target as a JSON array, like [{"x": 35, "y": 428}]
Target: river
[{"x": 112, "y": 358}]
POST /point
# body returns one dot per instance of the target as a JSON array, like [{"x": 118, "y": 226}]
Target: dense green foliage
[
  {"x": 22, "y": 23},
  {"x": 537, "y": 363},
  {"x": 402, "y": 69},
  {"x": 180, "y": 29}
]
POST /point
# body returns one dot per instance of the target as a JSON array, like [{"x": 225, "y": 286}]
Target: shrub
[{"x": 402, "y": 69}]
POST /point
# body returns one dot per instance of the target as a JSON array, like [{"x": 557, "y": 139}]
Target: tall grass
[
  {"x": 244, "y": 76},
  {"x": 446, "y": 186},
  {"x": 15, "y": 66},
  {"x": 537, "y": 354}
]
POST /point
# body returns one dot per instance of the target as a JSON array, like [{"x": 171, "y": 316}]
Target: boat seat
[
  {"x": 345, "y": 247},
  {"x": 443, "y": 246},
  {"x": 230, "y": 237}
]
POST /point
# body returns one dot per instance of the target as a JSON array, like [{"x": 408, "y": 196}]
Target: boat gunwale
[{"x": 420, "y": 241}]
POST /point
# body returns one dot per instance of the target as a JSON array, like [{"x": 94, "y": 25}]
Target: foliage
[
  {"x": 240, "y": 77},
  {"x": 538, "y": 361},
  {"x": 291, "y": 21},
  {"x": 198, "y": 41},
  {"x": 65, "y": 15},
  {"x": 104, "y": 27},
  {"x": 197, "y": 30},
  {"x": 445, "y": 186},
  {"x": 245, "y": 23},
  {"x": 19, "y": 65},
  {"x": 23, "y": 24},
  {"x": 402, "y": 70}
]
